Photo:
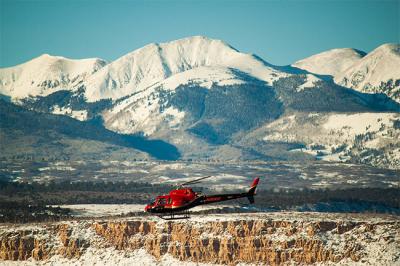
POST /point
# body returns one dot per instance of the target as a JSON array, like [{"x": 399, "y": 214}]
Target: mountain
[
  {"x": 370, "y": 138},
  {"x": 155, "y": 62},
  {"x": 203, "y": 99},
  {"x": 332, "y": 62},
  {"x": 219, "y": 108},
  {"x": 46, "y": 74},
  {"x": 31, "y": 135},
  {"x": 205, "y": 93},
  {"x": 375, "y": 72}
]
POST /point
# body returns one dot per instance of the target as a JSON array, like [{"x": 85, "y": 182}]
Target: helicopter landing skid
[{"x": 175, "y": 215}]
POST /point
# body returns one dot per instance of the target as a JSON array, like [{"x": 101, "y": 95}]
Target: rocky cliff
[{"x": 272, "y": 239}]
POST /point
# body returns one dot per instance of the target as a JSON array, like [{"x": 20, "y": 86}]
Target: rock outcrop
[
  {"x": 40, "y": 243},
  {"x": 270, "y": 239}
]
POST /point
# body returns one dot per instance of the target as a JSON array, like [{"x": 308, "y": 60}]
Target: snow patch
[
  {"x": 204, "y": 77},
  {"x": 309, "y": 83},
  {"x": 77, "y": 114}
]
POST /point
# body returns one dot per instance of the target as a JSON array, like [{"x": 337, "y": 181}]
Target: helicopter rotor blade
[{"x": 195, "y": 180}]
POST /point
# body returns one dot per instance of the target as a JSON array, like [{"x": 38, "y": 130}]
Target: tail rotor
[{"x": 252, "y": 190}]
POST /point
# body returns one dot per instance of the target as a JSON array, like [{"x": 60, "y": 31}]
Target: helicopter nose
[{"x": 146, "y": 209}]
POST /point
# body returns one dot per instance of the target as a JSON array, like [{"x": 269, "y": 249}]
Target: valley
[{"x": 51, "y": 191}]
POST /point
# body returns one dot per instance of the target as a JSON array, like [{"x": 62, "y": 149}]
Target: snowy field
[
  {"x": 103, "y": 210},
  {"x": 229, "y": 176}
]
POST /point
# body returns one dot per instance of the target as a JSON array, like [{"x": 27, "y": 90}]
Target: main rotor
[{"x": 195, "y": 181}]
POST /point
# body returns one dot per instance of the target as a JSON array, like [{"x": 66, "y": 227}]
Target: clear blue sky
[{"x": 281, "y": 32}]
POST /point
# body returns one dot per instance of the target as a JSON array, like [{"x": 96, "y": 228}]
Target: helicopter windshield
[{"x": 161, "y": 201}]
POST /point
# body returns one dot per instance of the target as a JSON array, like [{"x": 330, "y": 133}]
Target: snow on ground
[
  {"x": 101, "y": 210},
  {"x": 105, "y": 210},
  {"x": 332, "y": 137},
  {"x": 57, "y": 168},
  {"x": 169, "y": 166},
  {"x": 359, "y": 123},
  {"x": 43, "y": 179},
  {"x": 309, "y": 83},
  {"x": 141, "y": 112},
  {"x": 223, "y": 182},
  {"x": 77, "y": 114},
  {"x": 204, "y": 77}
]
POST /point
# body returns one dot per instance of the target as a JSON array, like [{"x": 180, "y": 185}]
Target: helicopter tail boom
[{"x": 223, "y": 197}]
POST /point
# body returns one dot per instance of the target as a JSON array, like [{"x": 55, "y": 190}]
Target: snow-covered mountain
[
  {"x": 207, "y": 98},
  {"x": 332, "y": 62},
  {"x": 148, "y": 110},
  {"x": 46, "y": 74},
  {"x": 372, "y": 138},
  {"x": 155, "y": 62},
  {"x": 376, "y": 72}
]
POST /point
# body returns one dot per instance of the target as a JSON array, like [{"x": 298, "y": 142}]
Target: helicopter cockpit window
[{"x": 162, "y": 201}]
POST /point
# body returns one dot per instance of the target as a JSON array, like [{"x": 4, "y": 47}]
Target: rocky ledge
[{"x": 272, "y": 239}]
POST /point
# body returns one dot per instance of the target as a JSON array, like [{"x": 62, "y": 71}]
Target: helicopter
[{"x": 180, "y": 200}]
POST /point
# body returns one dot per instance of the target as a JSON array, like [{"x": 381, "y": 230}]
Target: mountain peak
[
  {"x": 195, "y": 38},
  {"x": 46, "y": 74},
  {"x": 198, "y": 43},
  {"x": 153, "y": 63},
  {"x": 378, "y": 71},
  {"x": 388, "y": 48},
  {"x": 45, "y": 56},
  {"x": 331, "y": 62}
]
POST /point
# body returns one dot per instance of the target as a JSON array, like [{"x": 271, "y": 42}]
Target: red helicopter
[{"x": 184, "y": 198}]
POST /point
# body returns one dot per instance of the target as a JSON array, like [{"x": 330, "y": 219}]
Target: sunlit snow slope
[
  {"x": 46, "y": 74},
  {"x": 376, "y": 72},
  {"x": 155, "y": 62},
  {"x": 332, "y": 62},
  {"x": 371, "y": 138}
]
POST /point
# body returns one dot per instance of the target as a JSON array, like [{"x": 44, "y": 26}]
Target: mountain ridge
[
  {"x": 205, "y": 98},
  {"x": 155, "y": 62},
  {"x": 143, "y": 67},
  {"x": 46, "y": 74},
  {"x": 374, "y": 72},
  {"x": 19, "y": 125},
  {"x": 334, "y": 61}
]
